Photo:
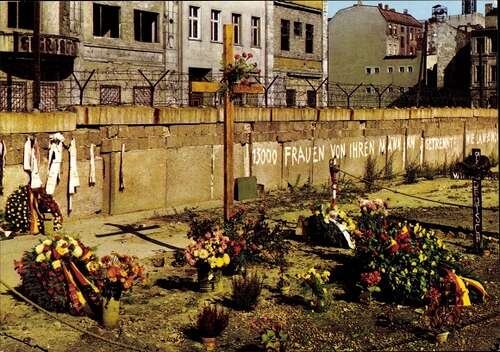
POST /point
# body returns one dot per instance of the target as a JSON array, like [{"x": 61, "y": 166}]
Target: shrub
[
  {"x": 371, "y": 173},
  {"x": 411, "y": 174},
  {"x": 427, "y": 171},
  {"x": 246, "y": 291},
  {"x": 212, "y": 321}
]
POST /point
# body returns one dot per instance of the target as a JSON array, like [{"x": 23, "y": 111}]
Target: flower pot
[
  {"x": 110, "y": 313},
  {"x": 205, "y": 284},
  {"x": 442, "y": 337},
  {"x": 210, "y": 343}
]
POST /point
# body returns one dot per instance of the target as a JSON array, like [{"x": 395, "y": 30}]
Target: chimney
[
  {"x": 405, "y": 11},
  {"x": 386, "y": 7}
]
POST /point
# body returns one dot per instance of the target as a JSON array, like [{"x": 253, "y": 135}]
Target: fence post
[{"x": 80, "y": 87}]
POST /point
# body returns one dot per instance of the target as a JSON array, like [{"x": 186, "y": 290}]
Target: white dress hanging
[
  {"x": 36, "y": 181},
  {"x": 55, "y": 161},
  {"x": 74, "y": 180},
  {"x": 3, "y": 153},
  {"x": 27, "y": 155},
  {"x": 92, "y": 166}
]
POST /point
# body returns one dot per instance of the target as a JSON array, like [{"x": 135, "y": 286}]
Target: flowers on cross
[{"x": 239, "y": 72}]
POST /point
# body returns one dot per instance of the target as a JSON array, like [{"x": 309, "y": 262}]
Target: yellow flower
[
  {"x": 62, "y": 250},
  {"x": 39, "y": 248},
  {"x": 40, "y": 258},
  {"x": 92, "y": 266},
  {"x": 47, "y": 242},
  {"x": 203, "y": 254},
  {"x": 226, "y": 259},
  {"x": 422, "y": 257},
  {"x": 220, "y": 262},
  {"x": 312, "y": 271},
  {"x": 77, "y": 252},
  {"x": 440, "y": 243},
  {"x": 56, "y": 264}
]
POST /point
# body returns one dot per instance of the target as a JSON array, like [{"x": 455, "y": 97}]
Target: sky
[{"x": 420, "y": 9}]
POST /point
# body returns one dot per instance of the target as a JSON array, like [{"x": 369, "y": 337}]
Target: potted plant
[
  {"x": 314, "y": 283},
  {"x": 272, "y": 336},
  {"x": 212, "y": 320},
  {"x": 246, "y": 291},
  {"x": 240, "y": 72},
  {"x": 208, "y": 254},
  {"x": 369, "y": 284},
  {"x": 119, "y": 273},
  {"x": 284, "y": 281}
]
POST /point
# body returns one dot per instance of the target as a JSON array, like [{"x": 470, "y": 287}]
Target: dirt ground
[{"x": 160, "y": 314}]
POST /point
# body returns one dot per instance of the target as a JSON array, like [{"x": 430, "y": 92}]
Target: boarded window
[
  {"x": 13, "y": 98},
  {"x": 309, "y": 38},
  {"x": 110, "y": 95},
  {"x": 291, "y": 97},
  {"x": 48, "y": 96},
  {"x": 142, "y": 95},
  {"x": 146, "y": 26},
  {"x": 285, "y": 35},
  {"x": 21, "y": 14},
  {"x": 106, "y": 21},
  {"x": 311, "y": 98}
]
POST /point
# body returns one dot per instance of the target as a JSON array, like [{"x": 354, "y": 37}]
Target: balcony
[{"x": 50, "y": 44}]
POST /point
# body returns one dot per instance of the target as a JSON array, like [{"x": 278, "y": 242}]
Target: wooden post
[{"x": 228, "y": 59}]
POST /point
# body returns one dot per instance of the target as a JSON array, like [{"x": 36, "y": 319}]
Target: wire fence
[{"x": 165, "y": 88}]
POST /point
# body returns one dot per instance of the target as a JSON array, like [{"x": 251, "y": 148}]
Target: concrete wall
[{"x": 174, "y": 157}]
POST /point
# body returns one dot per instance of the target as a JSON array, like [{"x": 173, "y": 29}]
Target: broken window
[
  {"x": 285, "y": 35},
  {"x": 311, "y": 98},
  {"x": 256, "y": 31},
  {"x": 146, "y": 26},
  {"x": 237, "y": 28},
  {"x": 106, "y": 21},
  {"x": 309, "y": 38},
  {"x": 297, "y": 29},
  {"x": 291, "y": 95},
  {"x": 215, "y": 26},
  {"x": 21, "y": 14},
  {"x": 194, "y": 22}
]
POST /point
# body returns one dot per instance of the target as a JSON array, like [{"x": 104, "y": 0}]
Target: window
[
  {"x": 106, "y": 21},
  {"x": 372, "y": 70},
  {"x": 311, "y": 98},
  {"x": 297, "y": 29},
  {"x": 142, "y": 95},
  {"x": 194, "y": 22},
  {"x": 390, "y": 89},
  {"x": 411, "y": 33},
  {"x": 309, "y": 38},
  {"x": 255, "y": 31},
  {"x": 291, "y": 97},
  {"x": 237, "y": 28},
  {"x": 110, "y": 95},
  {"x": 410, "y": 69},
  {"x": 493, "y": 73},
  {"x": 377, "y": 70},
  {"x": 401, "y": 69},
  {"x": 215, "y": 26},
  {"x": 285, "y": 35},
  {"x": 402, "y": 43},
  {"x": 368, "y": 90},
  {"x": 390, "y": 69},
  {"x": 21, "y": 14},
  {"x": 479, "y": 74},
  {"x": 402, "y": 29},
  {"x": 368, "y": 70},
  {"x": 146, "y": 26}
]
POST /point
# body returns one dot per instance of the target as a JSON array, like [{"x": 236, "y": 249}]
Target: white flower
[
  {"x": 77, "y": 252},
  {"x": 39, "y": 248},
  {"x": 47, "y": 242}
]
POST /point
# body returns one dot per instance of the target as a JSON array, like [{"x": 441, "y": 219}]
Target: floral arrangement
[
  {"x": 329, "y": 226},
  {"x": 272, "y": 334},
  {"x": 118, "y": 273},
  {"x": 240, "y": 72},
  {"x": 398, "y": 260},
  {"x": 56, "y": 274},
  {"x": 47, "y": 204},
  {"x": 315, "y": 283},
  {"x": 210, "y": 250},
  {"x": 17, "y": 213}
]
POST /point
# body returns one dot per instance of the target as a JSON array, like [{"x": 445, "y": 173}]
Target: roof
[{"x": 399, "y": 18}]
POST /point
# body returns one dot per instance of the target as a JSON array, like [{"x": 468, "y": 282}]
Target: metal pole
[
  {"x": 36, "y": 57},
  {"x": 333, "y": 174}
]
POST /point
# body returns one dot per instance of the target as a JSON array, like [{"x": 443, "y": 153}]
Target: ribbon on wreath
[
  {"x": 55, "y": 161},
  {"x": 3, "y": 153},
  {"x": 92, "y": 166},
  {"x": 74, "y": 180}
]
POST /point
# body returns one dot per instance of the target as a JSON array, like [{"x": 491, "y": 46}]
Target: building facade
[
  {"x": 484, "y": 74},
  {"x": 114, "y": 38},
  {"x": 374, "y": 45}
]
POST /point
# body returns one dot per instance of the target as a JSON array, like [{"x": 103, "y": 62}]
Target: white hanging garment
[
  {"x": 27, "y": 154},
  {"x": 92, "y": 166},
  {"x": 74, "y": 180},
  {"x": 36, "y": 181},
  {"x": 3, "y": 153},
  {"x": 121, "y": 186},
  {"x": 55, "y": 161}
]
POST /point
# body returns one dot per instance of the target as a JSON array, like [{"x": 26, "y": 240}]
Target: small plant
[
  {"x": 284, "y": 280},
  {"x": 246, "y": 291},
  {"x": 389, "y": 167},
  {"x": 427, "y": 171},
  {"x": 371, "y": 174},
  {"x": 272, "y": 335},
  {"x": 212, "y": 321},
  {"x": 442, "y": 312},
  {"x": 411, "y": 174},
  {"x": 314, "y": 283}
]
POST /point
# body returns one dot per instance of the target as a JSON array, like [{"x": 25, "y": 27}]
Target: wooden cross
[{"x": 213, "y": 87}]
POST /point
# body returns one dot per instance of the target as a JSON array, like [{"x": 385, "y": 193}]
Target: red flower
[
  {"x": 237, "y": 56},
  {"x": 249, "y": 55},
  {"x": 383, "y": 237},
  {"x": 244, "y": 55},
  {"x": 371, "y": 278}
]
